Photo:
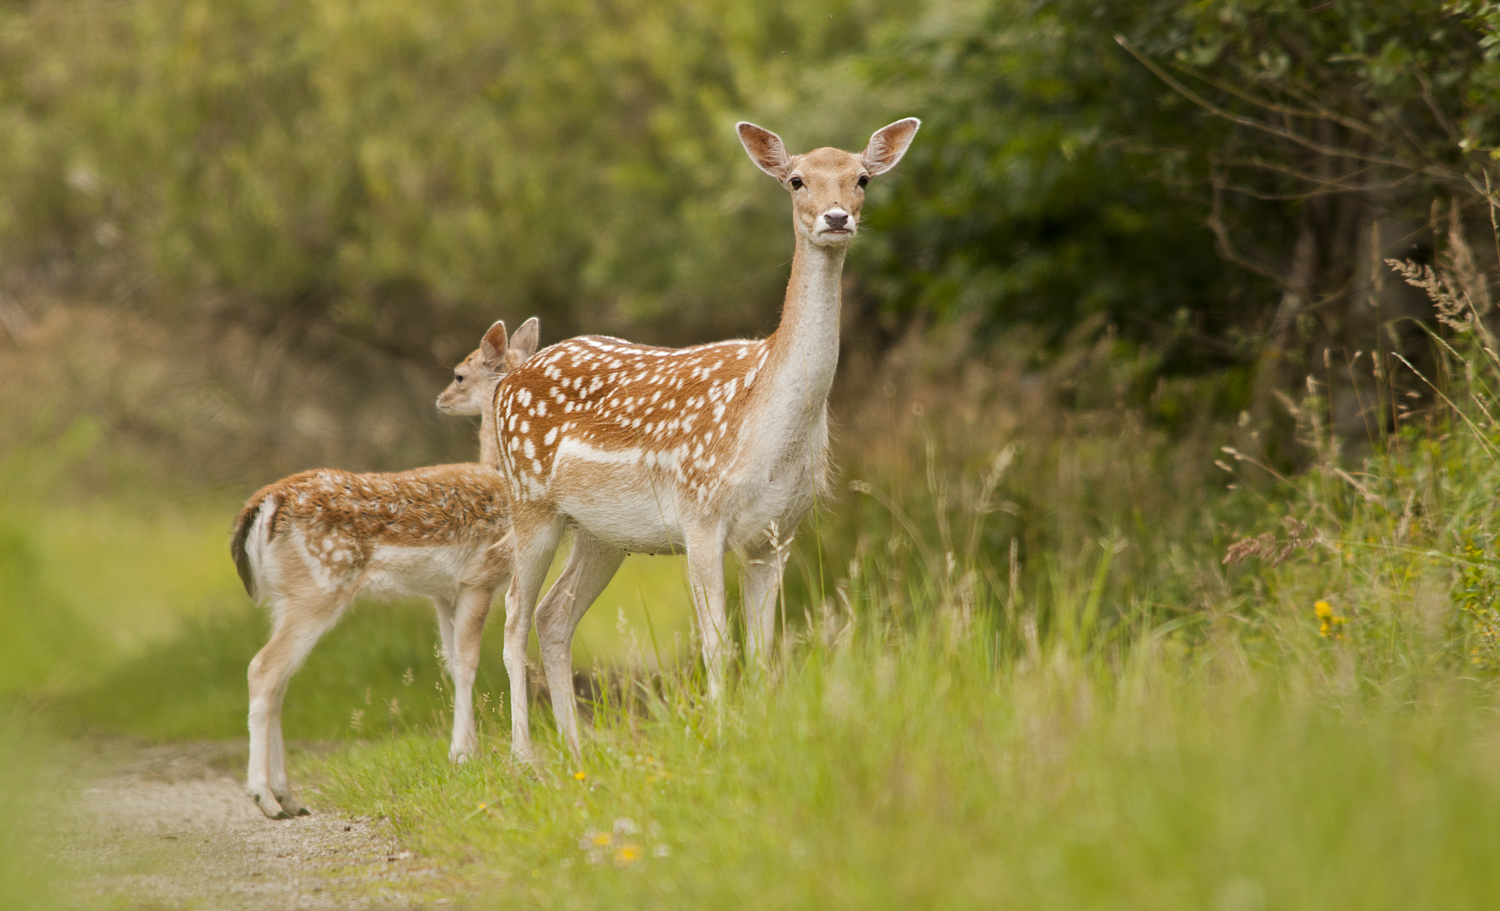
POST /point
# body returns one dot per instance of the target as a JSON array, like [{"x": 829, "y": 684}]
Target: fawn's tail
[{"x": 250, "y": 519}]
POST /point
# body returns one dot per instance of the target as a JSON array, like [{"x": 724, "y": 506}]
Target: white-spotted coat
[
  {"x": 695, "y": 450},
  {"x": 309, "y": 543}
]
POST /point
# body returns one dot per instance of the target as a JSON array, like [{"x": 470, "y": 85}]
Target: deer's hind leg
[
  {"x": 590, "y": 567},
  {"x": 300, "y": 621},
  {"x": 761, "y": 576}
]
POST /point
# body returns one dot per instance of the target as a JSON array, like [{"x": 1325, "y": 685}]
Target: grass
[
  {"x": 897, "y": 771},
  {"x": 29, "y": 751},
  {"x": 902, "y": 767},
  {"x": 1279, "y": 694},
  {"x": 1045, "y": 662}
]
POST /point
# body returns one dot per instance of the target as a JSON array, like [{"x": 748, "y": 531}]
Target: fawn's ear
[
  {"x": 493, "y": 346},
  {"x": 765, "y": 149},
  {"x": 889, "y": 144},
  {"x": 523, "y": 343}
]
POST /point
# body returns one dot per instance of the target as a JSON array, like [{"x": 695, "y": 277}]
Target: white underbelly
[
  {"x": 431, "y": 572},
  {"x": 620, "y": 502},
  {"x": 642, "y": 508}
]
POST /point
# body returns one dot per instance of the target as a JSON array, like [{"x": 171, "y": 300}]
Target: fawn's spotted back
[{"x": 342, "y": 518}]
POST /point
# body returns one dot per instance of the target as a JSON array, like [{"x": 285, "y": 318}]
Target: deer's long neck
[
  {"x": 489, "y": 445},
  {"x": 805, "y": 347}
]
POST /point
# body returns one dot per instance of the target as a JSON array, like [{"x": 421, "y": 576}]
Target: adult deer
[
  {"x": 703, "y": 449},
  {"x": 309, "y": 543}
]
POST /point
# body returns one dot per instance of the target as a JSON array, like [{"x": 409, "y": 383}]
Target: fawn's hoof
[
  {"x": 283, "y": 808},
  {"x": 269, "y": 806}
]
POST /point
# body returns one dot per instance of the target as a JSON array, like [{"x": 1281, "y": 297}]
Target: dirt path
[{"x": 170, "y": 827}]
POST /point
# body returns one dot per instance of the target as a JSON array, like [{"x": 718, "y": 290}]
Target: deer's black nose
[{"x": 836, "y": 220}]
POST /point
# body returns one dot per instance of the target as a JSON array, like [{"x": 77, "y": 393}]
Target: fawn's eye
[
  {"x": 796, "y": 183},
  {"x": 864, "y": 179},
  {"x": 458, "y": 377}
]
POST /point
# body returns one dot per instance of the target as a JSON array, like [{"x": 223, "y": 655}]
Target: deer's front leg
[{"x": 705, "y": 559}]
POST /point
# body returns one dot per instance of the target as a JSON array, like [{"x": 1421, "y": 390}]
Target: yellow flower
[
  {"x": 580, "y": 774},
  {"x": 627, "y": 855},
  {"x": 603, "y": 838},
  {"x": 1324, "y": 610}
]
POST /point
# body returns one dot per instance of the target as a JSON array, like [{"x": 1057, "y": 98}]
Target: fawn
[
  {"x": 704, "y": 449},
  {"x": 309, "y": 543}
]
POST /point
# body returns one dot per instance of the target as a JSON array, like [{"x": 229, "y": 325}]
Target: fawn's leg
[
  {"x": 535, "y": 541},
  {"x": 446, "y": 606},
  {"x": 473, "y": 607},
  {"x": 300, "y": 623}
]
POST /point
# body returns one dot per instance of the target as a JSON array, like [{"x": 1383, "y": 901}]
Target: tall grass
[
  {"x": 1269, "y": 692},
  {"x": 913, "y": 767},
  {"x": 1032, "y": 656}
]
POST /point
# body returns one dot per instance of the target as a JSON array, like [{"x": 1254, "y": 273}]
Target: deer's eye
[
  {"x": 796, "y": 183},
  {"x": 458, "y": 377},
  {"x": 864, "y": 179}
]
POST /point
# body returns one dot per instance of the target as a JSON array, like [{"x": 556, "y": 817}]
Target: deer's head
[
  {"x": 475, "y": 378},
  {"x": 828, "y": 185}
]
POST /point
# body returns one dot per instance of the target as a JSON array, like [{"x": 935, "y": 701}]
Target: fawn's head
[
  {"x": 827, "y": 185},
  {"x": 475, "y": 378}
]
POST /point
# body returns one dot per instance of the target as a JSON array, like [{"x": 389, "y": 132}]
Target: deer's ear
[
  {"x": 523, "y": 343},
  {"x": 889, "y": 144},
  {"x": 765, "y": 149},
  {"x": 492, "y": 347}
]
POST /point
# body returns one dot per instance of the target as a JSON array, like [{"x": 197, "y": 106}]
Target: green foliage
[
  {"x": 1053, "y": 182},
  {"x": 399, "y": 169}
]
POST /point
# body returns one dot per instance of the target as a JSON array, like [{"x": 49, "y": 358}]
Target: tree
[{"x": 1086, "y": 157}]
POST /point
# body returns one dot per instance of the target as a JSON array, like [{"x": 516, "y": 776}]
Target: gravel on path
[{"x": 171, "y": 826}]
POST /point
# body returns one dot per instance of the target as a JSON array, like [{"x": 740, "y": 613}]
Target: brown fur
[
  {"x": 701, "y": 449},
  {"x": 612, "y": 394},
  {"x": 440, "y": 532},
  {"x": 346, "y": 515}
]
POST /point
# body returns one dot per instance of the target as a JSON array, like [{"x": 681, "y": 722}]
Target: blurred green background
[{"x": 245, "y": 238}]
